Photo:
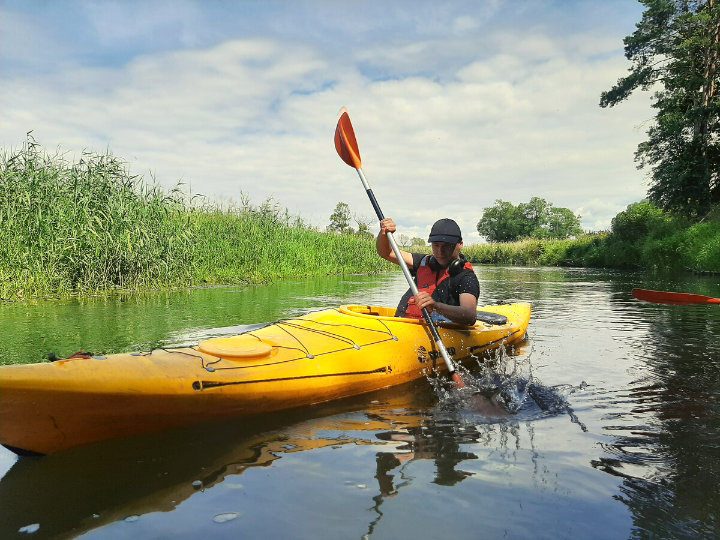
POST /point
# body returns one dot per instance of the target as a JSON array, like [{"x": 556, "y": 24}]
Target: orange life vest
[{"x": 427, "y": 281}]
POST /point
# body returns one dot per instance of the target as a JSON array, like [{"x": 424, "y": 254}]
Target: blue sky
[{"x": 455, "y": 104}]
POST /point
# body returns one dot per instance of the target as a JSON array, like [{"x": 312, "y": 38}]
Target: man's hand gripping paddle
[{"x": 347, "y": 148}]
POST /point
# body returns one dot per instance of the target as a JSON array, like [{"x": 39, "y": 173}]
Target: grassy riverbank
[
  {"x": 642, "y": 236},
  {"x": 90, "y": 226}
]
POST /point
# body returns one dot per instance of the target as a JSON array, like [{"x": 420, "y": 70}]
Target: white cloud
[
  {"x": 463, "y": 24},
  {"x": 597, "y": 211},
  {"x": 516, "y": 117}
]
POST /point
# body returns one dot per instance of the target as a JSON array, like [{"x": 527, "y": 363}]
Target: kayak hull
[{"x": 326, "y": 355}]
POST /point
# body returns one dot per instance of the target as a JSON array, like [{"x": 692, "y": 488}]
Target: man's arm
[
  {"x": 464, "y": 314},
  {"x": 383, "y": 247}
]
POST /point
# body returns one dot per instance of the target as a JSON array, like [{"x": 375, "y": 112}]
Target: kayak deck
[{"x": 326, "y": 355}]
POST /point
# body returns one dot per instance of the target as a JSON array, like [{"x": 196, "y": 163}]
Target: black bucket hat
[{"x": 445, "y": 230}]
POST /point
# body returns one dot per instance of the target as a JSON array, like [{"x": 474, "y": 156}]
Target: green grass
[
  {"x": 642, "y": 237},
  {"x": 524, "y": 252},
  {"x": 89, "y": 226},
  {"x": 258, "y": 245},
  {"x": 590, "y": 250}
]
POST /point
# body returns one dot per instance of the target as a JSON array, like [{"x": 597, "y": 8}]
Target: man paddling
[{"x": 446, "y": 282}]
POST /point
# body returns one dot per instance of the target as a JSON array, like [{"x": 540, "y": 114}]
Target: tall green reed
[
  {"x": 256, "y": 244},
  {"x": 90, "y": 225}
]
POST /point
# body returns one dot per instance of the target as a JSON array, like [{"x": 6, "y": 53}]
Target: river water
[{"x": 605, "y": 424}]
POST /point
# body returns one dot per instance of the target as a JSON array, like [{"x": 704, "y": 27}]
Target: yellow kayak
[{"x": 322, "y": 356}]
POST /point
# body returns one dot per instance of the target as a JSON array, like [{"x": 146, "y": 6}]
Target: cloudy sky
[{"x": 455, "y": 104}]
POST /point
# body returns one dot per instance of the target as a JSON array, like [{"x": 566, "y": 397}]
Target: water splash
[
  {"x": 503, "y": 387},
  {"x": 498, "y": 388}
]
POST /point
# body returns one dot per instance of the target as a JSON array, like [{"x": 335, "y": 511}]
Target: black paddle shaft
[
  {"x": 375, "y": 204},
  {"x": 411, "y": 282}
]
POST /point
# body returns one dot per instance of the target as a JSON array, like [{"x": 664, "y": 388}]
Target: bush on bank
[
  {"x": 90, "y": 226},
  {"x": 642, "y": 236}
]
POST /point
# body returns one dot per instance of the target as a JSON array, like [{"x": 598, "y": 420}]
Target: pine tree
[{"x": 676, "y": 48}]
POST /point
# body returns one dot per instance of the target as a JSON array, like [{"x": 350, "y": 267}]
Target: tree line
[
  {"x": 340, "y": 223},
  {"x": 503, "y": 222},
  {"x": 537, "y": 218}
]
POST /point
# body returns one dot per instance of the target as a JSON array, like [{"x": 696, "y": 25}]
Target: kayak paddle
[
  {"x": 347, "y": 148},
  {"x": 672, "y": 298}
]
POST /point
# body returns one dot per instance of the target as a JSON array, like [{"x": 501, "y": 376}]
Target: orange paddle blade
[
  {"x": 673, "y": 299},
  {"x": 345, "y": 143},
  {"x": 458, "y": 381}
]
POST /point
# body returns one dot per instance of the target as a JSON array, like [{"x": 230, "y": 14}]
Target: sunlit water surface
[{"x": 605, "y": 424}]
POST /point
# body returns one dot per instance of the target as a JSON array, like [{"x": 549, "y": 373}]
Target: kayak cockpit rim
[{"x": 388, "y": 314}]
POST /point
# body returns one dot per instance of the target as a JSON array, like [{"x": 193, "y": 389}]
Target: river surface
[{"x": 604, "y": 424}]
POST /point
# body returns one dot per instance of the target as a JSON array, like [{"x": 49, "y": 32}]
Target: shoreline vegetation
[
  {"x": 642, "y": 237},
  {"x": 90, "y": 227}
]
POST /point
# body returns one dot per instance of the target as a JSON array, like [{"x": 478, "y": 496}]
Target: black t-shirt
[{"x": 447, "y": 292}]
